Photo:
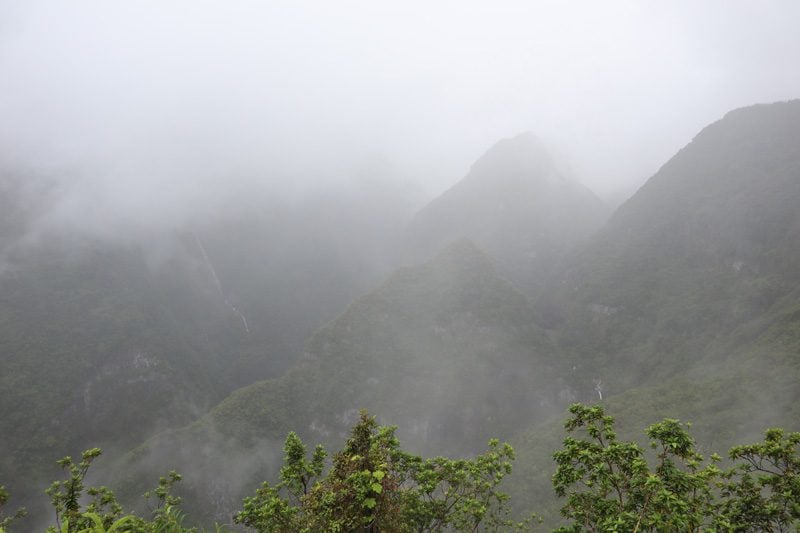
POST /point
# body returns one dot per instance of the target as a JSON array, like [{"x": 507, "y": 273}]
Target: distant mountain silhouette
[{"x": 517, "y": 206}]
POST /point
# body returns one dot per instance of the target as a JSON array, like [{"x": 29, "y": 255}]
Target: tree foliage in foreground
[
  {"x": 102, "y": 513},
  {"x": 609, "y": 484},
  {"x": 373, "y": 486},
  {"x": 5, "y": 520}
]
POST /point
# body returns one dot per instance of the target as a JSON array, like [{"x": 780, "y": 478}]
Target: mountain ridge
[
  {"x": 446, "y": 350},
  {"x": 516, "y": 204}
]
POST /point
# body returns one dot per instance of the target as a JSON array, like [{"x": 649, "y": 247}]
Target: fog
[
  {"x": 262, "y": 169},
  {"x": 151, "y": 112}
]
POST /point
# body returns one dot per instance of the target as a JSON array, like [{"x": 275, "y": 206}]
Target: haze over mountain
[
  {"x": 107, "y": 339},
  {"x": 219, "y": 223},
  {"x": 670, "y": 310},
  {"x": 183, "y": 314},
  {"x": 706, "y": 245},
  {"x": 148, "y": 111},
  {"x": 446, "y": 350},
  {"x": 685, "y": 304},
  {"x": 516, "y": 204}
]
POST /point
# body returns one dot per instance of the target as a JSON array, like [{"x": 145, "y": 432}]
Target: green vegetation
[
  {"x": 82, "y": 509},
  {"x": 605, "y": 484},
  {"x": 609, "y": 485},
  {"x": 5, "y": 520},
  {"x": 91, "y": 352},
  {"x": 374, "y": 486},
  {"x": 371, "y": 485},
  {"x": 685, "y": 305},
  {"x": 447, "y": 351},
  {"x": 623, "y": 493}
]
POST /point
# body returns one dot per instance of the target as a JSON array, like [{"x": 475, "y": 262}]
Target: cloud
[{"x": 148, "y": 107}]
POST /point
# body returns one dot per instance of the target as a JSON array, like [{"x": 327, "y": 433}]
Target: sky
[{"x": 168, "y": 104}]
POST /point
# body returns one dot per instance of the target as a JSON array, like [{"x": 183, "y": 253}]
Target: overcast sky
[{"x": 132, "y": 97}]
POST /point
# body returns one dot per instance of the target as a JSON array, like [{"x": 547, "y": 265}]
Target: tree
[
  {"x": 268, "y": 511},
  {"x": 763, "y": 492},
  {"x": 6, "y": 521},
  {"x": 610, "y": 486},
  {"x": 65, "y": 496},
  {"x": 374, "y": 486},
  {"x": 103, "y": 514}
]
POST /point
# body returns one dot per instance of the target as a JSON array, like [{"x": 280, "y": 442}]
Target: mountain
[
  {"x": 516, "y": 204},
  {"x": 687, "y": 303},
  {"x": 708, "y": 245},
  {"x": 291, "y": 267},
  {"x": 108, "y": 339},
  {"x": 100, "y": 347},
  {"x": 447, "y": 350}
]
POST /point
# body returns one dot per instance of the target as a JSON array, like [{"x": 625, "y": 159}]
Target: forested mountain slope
[
  {"x": 447, "y": 350},
  {"x": 708, "y": 245},
  {"x": 99, "y": 348},
  {"x": 109, "y": 335},
  {"x": 687, "y": 303}
]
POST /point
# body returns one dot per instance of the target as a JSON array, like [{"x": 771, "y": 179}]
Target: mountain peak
[
  {"x": 517, "y": 206},
  {"x": 522, "y": 159}
]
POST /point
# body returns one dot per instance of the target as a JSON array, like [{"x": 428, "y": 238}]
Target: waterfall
[
  {"x": 208, "y": 264},
  {"x": 240, "y": 315},
  {"x": 217, "y": 283}
]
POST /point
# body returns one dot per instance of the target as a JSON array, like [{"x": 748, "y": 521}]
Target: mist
[
  {"x": 148, "y": 114},
  {"x": 224, "y": 221}
]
